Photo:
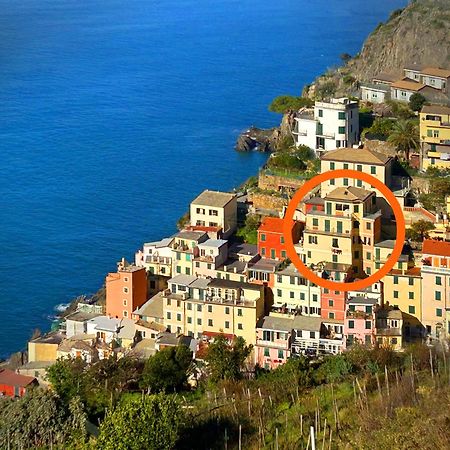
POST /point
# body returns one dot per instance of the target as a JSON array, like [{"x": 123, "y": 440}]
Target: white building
[
  {"x": 434, "y": 77},
  {"x": 329, "y": 125},
  {"x": 375, "y": 93}
]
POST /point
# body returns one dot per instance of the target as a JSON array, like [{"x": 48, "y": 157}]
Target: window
[
  {"x": 210, "y": 322},
  {"x": 395, "y": 279},
  {"x": 199, "y": 321},
  {"x": 437, "y": 295},
  {"x": 179, "y": 317},
  {"x": 272, "y": 253},
  {"x": 315, "y": 222},
  {"x": 411, "y": 309},
  {"x": 435, "y": 133},
  {"x": 314, "y": 297},
  {"x": 373, "y": 170},
  {"x": 282, "y": 239},
  {"x": 327, "y": 225},
  {"x": 189, "y": 320},
  {"x": 334, "y": 258},
  {"x": 239, "y": 312},
  {"x": 332, "y": 182},
  {"x": 213, "y": 212},
  {"x": 341, "y": 115},
  {"x": 351, "y": 324},
  {"x": 359, "y": 167},
  {"x": 411, "y": 281},
  {"x": 320, "y": 112},
  {"x": 312, "y": 239},
  {"x": 240, "y": 326},
  {"x": 125, "y": 290},
  {"x": 263, "y": 237},
  {"x": 178, "y": 269},
  {"x": 395, "y": 294},
  {"x": 189, "y": 306},
  {"x": 125, "y": 314},
  {"x": 312, "y": 334},
  {"x": 199, "y": 308},
  {"x": 325, "y": 291},
  {"x": 266, "y": 352},
  {"x": 227, "y": 324},
  {"x": 331, "y": 315},
  {"x": 332, "y": 166},
  {"x": 438, "y": 312},
  {"x": 124, "y": 302},
  {"x": 438, "y": 281},
  {"x": 283, "y": 253},
  {"x": 280, "y": 354},
  {"x": 345, "y": 181},
  {"x": 210, "y": 308},
  {"x": 263, "y": 251},
  {"x": 368, "y": 309},
  {"x": 341, "y": 130},
  {"x": 411, "y": 295},
  {"x": 330, "y": 302},
  {"x": 368, "y": 256},
  {"x": 227, "y": 310},
  {"x": 368, "y": 325},
  {"x": 169, "y": 315}
]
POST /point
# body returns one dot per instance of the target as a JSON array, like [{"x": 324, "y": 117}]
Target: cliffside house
[
  {"x": 329, "y": 125},
  {"x": 13, "y": 384}
]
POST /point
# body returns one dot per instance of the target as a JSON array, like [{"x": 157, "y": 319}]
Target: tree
[
  {"x": 405, "y": 137},
  {"x": 150, "y": 422},
  {"x": 40, "y": 419},
  {"x": 419, "y": 230},
  {"x": 284, "y": 103},
  {"x": 326, "y": 89},
  {"x": 66, "y": 377},
  {"x": 416, "y": 101},
  {"x": 249, "y": 232},
  {"x": 381, "y": 128},
  {"x": 226, "y": 359},
  {"x": 167, "y": 370}
]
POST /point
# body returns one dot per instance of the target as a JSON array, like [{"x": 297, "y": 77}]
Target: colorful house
[
  {"x": 273, "y": 341},
  {"x": 126, "y": 290},
  {"x": 271, "y": 239},
  {"x": 13, "y": 384},
  {"x": 435, "y": 287},
  {"x": 215, "y": 209},
  {"x": 435, "y": 136},
  {"x": 185, "y": 249},
  {"x": 359, "y": 322}
]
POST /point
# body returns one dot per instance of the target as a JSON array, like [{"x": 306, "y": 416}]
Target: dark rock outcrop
[{"x": 258, "y": 139}]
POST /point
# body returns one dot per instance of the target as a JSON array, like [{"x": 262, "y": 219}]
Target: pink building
[
  {"x": 359, "y": 321},
  {"x": 273, "y": 341}
]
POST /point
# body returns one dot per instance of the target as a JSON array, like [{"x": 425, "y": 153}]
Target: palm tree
[{"x": 405, "y": 137}]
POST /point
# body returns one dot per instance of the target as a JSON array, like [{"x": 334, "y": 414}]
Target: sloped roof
[
  {"x": 435, "y": 109},
  {"x": 276, "y": 323},
  {"x": 436, "y": 72},
  {"x": 214, "y": 198},
  {"x": 271, "y": 225},
  {"x": 408, "y": 85},
  {"x": 356, "y": 155},
  {"x": 438, "y": 248},
  {"x": 307, "y": 323},
  {"x": 348, "y": 193},
  {"x": 11, "y": 378}
]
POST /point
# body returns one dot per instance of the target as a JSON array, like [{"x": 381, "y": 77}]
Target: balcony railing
[{"x": 358, "y": 315}]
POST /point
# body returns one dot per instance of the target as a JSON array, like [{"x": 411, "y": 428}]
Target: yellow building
[
  {"x": 403, "y": 289},
  {"x": 204, "y": 307},
  {"x": 346, "y": 231},
  {"x": 435, "y": 136},
  {"x": 215, "y": 209},
  {"x": 44, "y": 348}
]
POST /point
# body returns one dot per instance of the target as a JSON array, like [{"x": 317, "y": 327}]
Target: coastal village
[{"x": 217, "y": 277}]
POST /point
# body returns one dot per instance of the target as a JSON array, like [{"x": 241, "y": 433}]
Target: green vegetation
[
  {"x": 183, "y": 220},
  {"x": 284, "y": 103},
  {"x": 419, "y": 230},
  {"x": 400, "y": 110},
  {"x": 226, "y": 360},
  {"x": 249, "y": 232},
  {"x": 167, "y": 370},
  {"x": 417, "y": 101},
  {"x": 150, "y": 422},
  {"x": 439, "y": 189},
  {"x": 381, "y": 128},
  {"x": 295, "y": 159},
  {"x": 326, "y": 90}
]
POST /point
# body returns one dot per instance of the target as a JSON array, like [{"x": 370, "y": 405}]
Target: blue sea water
[{"x": 115, "y": 114}]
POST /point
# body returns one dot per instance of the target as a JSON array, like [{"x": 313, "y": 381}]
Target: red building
[
  {"x": 13, "y": 384},
  {"x": 271, "y": 240},
  {"x": 332, "y": 304}
]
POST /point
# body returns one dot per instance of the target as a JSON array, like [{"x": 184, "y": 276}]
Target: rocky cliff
[{"x": 420, "y": 34}]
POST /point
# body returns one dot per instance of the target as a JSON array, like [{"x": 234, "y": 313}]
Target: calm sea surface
[{"x": 115, "y": 114}]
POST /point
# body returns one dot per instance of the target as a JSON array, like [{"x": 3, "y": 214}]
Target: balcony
[
  {"x": 358, "y": 315},
  {"x": 230, "y": 301},
  {"x": 273, "y": 344},
  {"x": 152, "y": 259}
]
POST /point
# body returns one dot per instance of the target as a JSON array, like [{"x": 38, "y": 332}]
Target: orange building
[
  {"x": 126, "y": 290},
  {"x": 271, "y": 240}
]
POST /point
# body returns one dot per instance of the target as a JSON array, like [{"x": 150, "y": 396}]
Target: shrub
[
  {"x": 283, "y": 103},
  {"x": 416, "y": 101}
]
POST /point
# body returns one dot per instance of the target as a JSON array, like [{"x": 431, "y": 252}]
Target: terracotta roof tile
[
  {"x": 11, "y": 378},
  {"x": 436, "y": 72},
  {"x": 438, "y": 248},
  {"x": 356, "y": 155}
]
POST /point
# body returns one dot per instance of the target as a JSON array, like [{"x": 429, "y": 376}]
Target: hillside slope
[{"x": 418, "y": 34}]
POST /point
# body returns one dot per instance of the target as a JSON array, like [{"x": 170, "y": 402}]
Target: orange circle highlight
[{"x": 333, "y": 285}]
